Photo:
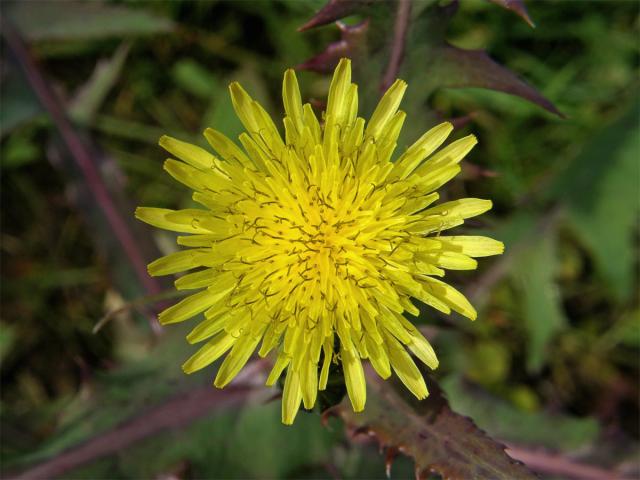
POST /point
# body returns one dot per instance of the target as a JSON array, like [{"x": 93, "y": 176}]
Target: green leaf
[
  {"x": 19, "y": 104},
  {"x": 534, "y": 273},
  {"x": 489, "y": 362},
  {"x": 19, "y": 149},
  {"x": 7, "y": 339},
  {"x": 438, "y": 439},
  {"x": 87, "y": 101},
  {"x": 195, "y": 79},
  {"x": 453, "y": 67},
  {"x": 259, "y": 429},
  {"x": 77, "y": 20},
  {"x": 499, "y": 418},
  {"x": 629, "y": 330},
  {"x": 600, "y": 189}
]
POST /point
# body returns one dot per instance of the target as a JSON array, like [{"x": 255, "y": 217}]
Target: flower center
[{"x": 306, "y": 245}]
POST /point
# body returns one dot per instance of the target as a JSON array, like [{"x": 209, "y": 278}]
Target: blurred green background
[{"x": 552, "y": 361}]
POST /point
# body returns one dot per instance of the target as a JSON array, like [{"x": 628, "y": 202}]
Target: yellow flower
[{"x": 314, "y": 245}]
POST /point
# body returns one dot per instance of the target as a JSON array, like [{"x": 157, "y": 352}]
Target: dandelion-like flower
[{"x": 315, "y": 245}]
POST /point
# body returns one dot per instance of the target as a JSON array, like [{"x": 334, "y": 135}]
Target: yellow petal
[
  {"x": 197, "y": 241},
  {"x": 474, "y": 246},
  {"x": 378, "y": 358},
  {"x": 421, "y": 149},
  {"x": 450, "y": 296},
  {"x": 291, "y": 397},
  {"x": 433, "y": 179},
  {"x": 189, "y": 307},
  {"x": 338, "y": 102},
  {"x": 420, "y": 346},
  {"x": 292, "y": 100},
  {"x": 207, "y": 328},
  {"x": 463, "y": 208},
  {"x": 449, "y": 155},
  {"x": 309, "y": 383},
  {"x": 393, "y": 326},
  {"x": 177, "y": 262},
  {"x": 242, "y": 104},
  {"x": 387, "y": 141},
  {"x": 327, "y": 349},
  {"x": 236, "y": 359},
  {"x": 185, "y": 174},
  {"x": 191, "y": 154},
  {"x": 422, "y": 349},
  {"x": 225, "y": 147},
  {"x": 281, "y": 363},
  {"x": 158, "y": 218},
  {"x": 311, "y": 122},
  {"x": 255, "y": 119},
  {"x": 386, "y": 109},
  {"x": 451, "y": 260},
  {"x": 209, "y": 352},
  {"x": 354, "y": 379},
  {"x": 405, "y": 368},
  {"x": 352, "y": 102}
]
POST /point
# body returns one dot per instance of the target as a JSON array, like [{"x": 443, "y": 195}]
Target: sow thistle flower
[{"x": 315, "y": 245}]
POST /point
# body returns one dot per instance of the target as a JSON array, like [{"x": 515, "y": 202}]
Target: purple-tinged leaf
[
  {"x": 438, "y": 439},
  {"x": 453, "y": 67},
  {"x": 517, "y": 7},
  {"x": 352, "y": 44},
  {"x": 335, "y": 10}
]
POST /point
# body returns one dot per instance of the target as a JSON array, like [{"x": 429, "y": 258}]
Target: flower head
[{"x": 314, "y": 246}]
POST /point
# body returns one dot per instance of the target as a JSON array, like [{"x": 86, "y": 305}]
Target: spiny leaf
[
  {"x": 335, "y": 10},
  {"x": 352, "y": 44},
  {"x": 438, "y": 439},
  {"x": 454, "y": 67},
  {"x": 517, "y": 7},
  {"x": 432, "y": 63}
]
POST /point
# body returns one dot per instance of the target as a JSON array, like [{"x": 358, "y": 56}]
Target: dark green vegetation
[{"x": 552, "y": 360}]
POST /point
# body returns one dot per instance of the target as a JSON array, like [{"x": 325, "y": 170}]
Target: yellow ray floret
[{"x": 314, "y": 245}]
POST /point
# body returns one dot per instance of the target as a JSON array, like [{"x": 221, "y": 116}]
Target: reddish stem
[{"x": 400, "y": 30}]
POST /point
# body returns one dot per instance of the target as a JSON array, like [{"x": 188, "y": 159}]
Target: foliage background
[{"x": 552, "y": 361}]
